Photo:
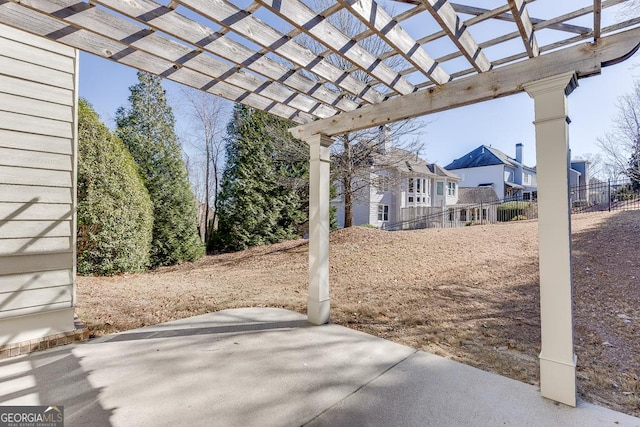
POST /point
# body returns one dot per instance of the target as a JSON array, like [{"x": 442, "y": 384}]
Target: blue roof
[{"x": 481, "y": 156}]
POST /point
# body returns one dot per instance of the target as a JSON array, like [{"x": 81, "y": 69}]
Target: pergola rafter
[
  {"x": 92, "y": 19},
  {"x": 556, "y": 23},
  {"x": 454, "y": 27},
  {"x": 525, "y": 26},
  {"x": 49, "y": 25},
  {"x": 597, "y": 16},
  {"x": 583, "y": 60},
  {"x": 500, "y": 14},
  {"x": 226, "y": 50},
  {"x": 306, "y": 20},
  {"x": 391, "y": 32},
  {"x": 241, "y": 22}
]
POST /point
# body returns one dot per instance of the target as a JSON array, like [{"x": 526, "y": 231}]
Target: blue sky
[{"x": 500, "y": 123}]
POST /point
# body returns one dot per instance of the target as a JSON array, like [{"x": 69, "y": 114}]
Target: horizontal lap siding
[{"x": 37, "y": 182}]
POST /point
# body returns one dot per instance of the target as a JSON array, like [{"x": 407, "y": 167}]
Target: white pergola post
[
  {"x": 319, "y": 183},
  {"x": 557, "y": 360}
]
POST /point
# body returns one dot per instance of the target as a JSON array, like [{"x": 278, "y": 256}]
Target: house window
[
  {"x": 440, "y": 188},
  {"x": 451, "y": 189},
  {"x": 418, "y": 182},
  {"x": 463, "y": 215},
  {"x": 382, "y": 184},
  {"x": 452, "y": 214},
  {"x": 484, "y": 213},
  {"x": 526, "y": 196},
  {"x": 383, "y": 212},
  {"x": 410, "y": 185},
  {"x": 410, "y": 199}
]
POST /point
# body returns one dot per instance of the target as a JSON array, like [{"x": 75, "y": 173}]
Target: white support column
[
  {"x": 557, "y": 360},
  {"x": 319, "y": 183}
]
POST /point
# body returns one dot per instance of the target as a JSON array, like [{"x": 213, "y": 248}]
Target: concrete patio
[{"x": 263, "y": 366}]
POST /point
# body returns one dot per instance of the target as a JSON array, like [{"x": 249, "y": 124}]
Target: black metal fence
[
  {"x": 486, "y": 212},
  {"x": 595, "y": 197},
  {"x": 601, "y": 196}
]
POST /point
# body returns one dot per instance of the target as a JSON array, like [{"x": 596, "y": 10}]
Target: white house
[
  {"x": 399, "y": 186},
  {"x": 38, "y": 122},
  {"x": 488, "y": 166}
]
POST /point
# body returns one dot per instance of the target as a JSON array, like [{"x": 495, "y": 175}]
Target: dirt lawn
[{"x": 470, "y": 294}]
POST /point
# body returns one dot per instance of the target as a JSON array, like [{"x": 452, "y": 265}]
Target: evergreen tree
[
  {"x": 264, "y": 183},
  {"x": 115, "y": 214},
  {"x": 147, "y": 129}
]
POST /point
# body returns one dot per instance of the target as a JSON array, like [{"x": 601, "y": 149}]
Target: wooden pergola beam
[
  {"x": 306, "y": 20},
  {"x": 239, "y": 21},
  {"x": 381, "y": 24},
  {"x": 597, "y": 19},
  {"x": 45, "y": 25},
  {"x": 525, "y": 27},
  {"x": 501, "y": 15},
  {"x": 170, "y": 21},
  {"x": 443, "y": 13},
  {"x": 585, "y": 59},
  {"x": 98, "y": 21},
  {"x": 550, "y": 23}
]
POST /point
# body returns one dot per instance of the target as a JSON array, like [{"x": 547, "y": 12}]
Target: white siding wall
[
  {"x": 38, "y": 98},
  {"x": 361, "y": 201},
  {"x": 472, "y": 177}
]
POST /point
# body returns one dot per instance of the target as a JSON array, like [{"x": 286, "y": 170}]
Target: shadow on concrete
[
  {"x": 53, "y": 377},
  {"x": 212, "y": 330},
  {"x": 268, "y": 367}
]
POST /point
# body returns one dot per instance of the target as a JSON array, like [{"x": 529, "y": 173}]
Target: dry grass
[{"x": 469, "y": 293}]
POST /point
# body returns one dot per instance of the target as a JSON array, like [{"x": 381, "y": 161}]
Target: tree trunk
[
  {"x": 206, "y": 193},
  {"x": 216, "y": 189},
  {"x": 348, "y": 204}
]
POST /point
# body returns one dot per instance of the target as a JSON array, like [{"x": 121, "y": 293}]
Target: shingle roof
[
  {"x": 484, "y": 156},
  {"x": 409, "y": 162},
  {"x": 476, "y": 195},
  {"x": 440, "y": 171}
]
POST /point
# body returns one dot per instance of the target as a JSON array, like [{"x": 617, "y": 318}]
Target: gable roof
[
  {"x": 481, "y": 156},
  {"x": 440, "y": 171},
  {"x": 410, "y": 163},
  {"x": 476, "y": 195},
  {"x": 485, "y": 156}
]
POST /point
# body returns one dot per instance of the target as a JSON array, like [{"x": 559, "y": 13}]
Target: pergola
[{"x": 280, "y": 56}]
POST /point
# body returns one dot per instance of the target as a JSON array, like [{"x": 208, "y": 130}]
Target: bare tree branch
[
  {"x": 621, "y": 146},
  {"x": 352, "y": 153},
  {"x": 207, "y": 114}
]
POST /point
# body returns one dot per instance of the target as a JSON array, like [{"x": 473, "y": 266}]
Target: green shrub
[
  {"x": 623, "y": 193},
  {"x": 509, "y": 210},
  {"x": 115, "y": 216}
]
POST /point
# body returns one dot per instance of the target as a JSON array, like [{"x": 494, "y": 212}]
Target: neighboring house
[
  {"x": 579, "y": 181},
  {"x": 599, "y": 191},
  {"x": 399, "y": 186},
  {"x": 475, "y": 204},
  {"x": 489, "y": 167}
]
